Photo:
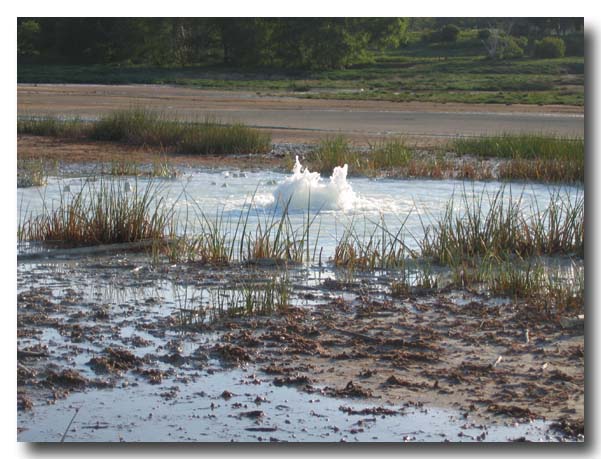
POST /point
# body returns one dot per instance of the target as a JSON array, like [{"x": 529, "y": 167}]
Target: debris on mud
[
  {"x": 298, "y": 380},
  {"x": 375, "y": 411},
  {"x": 232, "y": 354},
  {"x": 517, "y": 412},
  {"x": 352, "y": 343},
  {"x": 116, "y": 361},
  {"x": 573, "y": 428},
  {"x": 351, "y": 390},
  {"x": 67, "y": 379}
]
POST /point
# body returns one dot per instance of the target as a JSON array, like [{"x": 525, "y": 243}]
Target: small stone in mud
[
  {"x": 153, "y": 375},
  {"x": 292, "y": 381},
  {"x": 25, "y": 374},
  {"x": 261, "y": 429},
  {"x": 365, "y": 373},
  {"x": 350, "y": 390},
  {"x": 396, "y": 381},
  {"x": 24, "y": 403},
  {"x": 378, "y": 410},
  {"x": 171, "y": 393},
  {"x": 101, "y": 313},
  {"x": 138, "y": 341},
  {"x": 571, "y": 427},
  {"x": 254, "y": 414},
  {"x": 275, "y": 370},
  {"x": 226, "y": 395},
  {"x": 514, "y": 411}
]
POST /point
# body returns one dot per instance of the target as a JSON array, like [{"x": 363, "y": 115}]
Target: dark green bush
[
  {"x": 449, "y": 33},
  {"x": 574, "y": 44},
  {"x": 432, "y": 36},
  {"x": 514, "y": 47},
  {"x": 550, "y": 47},
  {"x": 483, "y": 34}
]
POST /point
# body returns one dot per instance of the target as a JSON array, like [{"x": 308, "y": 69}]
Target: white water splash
[{"x": 308, "y": 189}]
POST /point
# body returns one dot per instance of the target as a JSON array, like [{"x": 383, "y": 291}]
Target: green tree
[{"x": 28, "y": 34}]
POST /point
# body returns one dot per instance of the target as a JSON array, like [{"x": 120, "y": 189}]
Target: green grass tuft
[{"x": 139, "y": 126}]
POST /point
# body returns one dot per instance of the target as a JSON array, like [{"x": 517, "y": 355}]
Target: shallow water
[
  {"x": 139, "y": 413},
  {"x": 187, "y": 405},
  {"x": 332, "y": 204}
]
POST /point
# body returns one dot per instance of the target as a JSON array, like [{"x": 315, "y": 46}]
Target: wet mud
[{"x": 106, "y": 352}]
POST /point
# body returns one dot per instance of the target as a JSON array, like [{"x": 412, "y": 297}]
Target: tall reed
[
  {"x": 101, "y": 212},
  {"x": 501, "y": 225},
  {"x": 522, "y": 146},
  {"x": 372, "y": 249},
  {"x": 142, "y": 126},
  {"x": 337, "y": 151}
]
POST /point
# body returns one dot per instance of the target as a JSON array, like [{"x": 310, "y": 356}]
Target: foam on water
[{"x": 305, "y": 188}]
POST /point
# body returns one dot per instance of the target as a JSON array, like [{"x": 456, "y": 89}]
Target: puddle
[
  {"x": 428, "y": 346},
  {"x": 90, "y": 306},
  {"x": 198, "y": 412},
  {"x": 337, "y": 202}
]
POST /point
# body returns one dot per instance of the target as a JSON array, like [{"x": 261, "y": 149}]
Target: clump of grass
[
  {"x": 276, "y": 240},
  {"x": 273, "y": 241},
  {"x": 213, "y": 137},
  {"x": 137, "y": 126},
  {"x": 372, "y": 250},
  {"x": 162, "y": 169},
  {"x": 122, "y": 169},
  {"x": 419, "y": 277},
  {"x": 529, "y": 156},
  {"x": 159, "y": 168},
  {"x": 140, "y": 126},
  {"x": 533, "y": 281},
  {"x": 522, "y": 146},
  {"x": 510, "y": 278},
  {"x": 502, "y": 226},
  {"x": 244, "y": 299},
  {"x": 101, "y": 213},
  {"x": 388, "y": 155},
  {"x": 252, "y": 299},
  {"x": 53, "y": 127},
  {"x": 337, "y": 151},
  {"x": 32, "y": 172},
  {"x": 334, "y": 152},
  {"x": 568, "y": 171}
]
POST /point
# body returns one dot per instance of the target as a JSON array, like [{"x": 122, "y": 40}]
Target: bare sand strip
[{"x": 307, "y": 120}]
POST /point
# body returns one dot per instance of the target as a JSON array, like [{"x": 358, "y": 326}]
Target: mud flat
[
  {"x": 121, "y": 348},
  {"x": 122, "y": 343},
  {"x": 305, "y": 120}
]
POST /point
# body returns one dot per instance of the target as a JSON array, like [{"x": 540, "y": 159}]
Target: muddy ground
[
  {"x": 95, "y": 325},
  {"x": 60, "y": 155},
  {"x": 306, "y": 120}
]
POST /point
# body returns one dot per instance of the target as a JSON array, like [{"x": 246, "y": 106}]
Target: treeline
[
  {"x": 506, "y": 38},
  {"x": 304, "y": 43},
  {"x": 320, "y": 43}
]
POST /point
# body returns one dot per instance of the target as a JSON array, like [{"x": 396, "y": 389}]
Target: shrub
[
  {"x": 431, "y": 36},
  {"x": 514, "y": 47},
  {"x": 550, "y": 47},
  {"x": 139, "y": 126},
  {"x": 449, "y": 33},
  {"x": 483, "y": 34},
  {"x": 574, "y": 44}
]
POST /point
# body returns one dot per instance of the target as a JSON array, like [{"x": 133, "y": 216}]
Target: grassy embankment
[
  {"x": 139, "y": 126},
  {"x": 520, "y": 157},
  {"x": 495, "y": 241},
  {"x": 456, "y": 72}
]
